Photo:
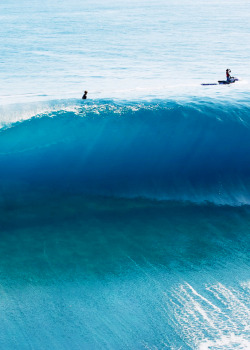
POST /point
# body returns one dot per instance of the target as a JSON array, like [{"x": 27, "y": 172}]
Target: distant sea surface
[{"x": 124, "y": 218}]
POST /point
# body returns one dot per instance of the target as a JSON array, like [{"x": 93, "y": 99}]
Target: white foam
[{"x": 217, "y": 320}]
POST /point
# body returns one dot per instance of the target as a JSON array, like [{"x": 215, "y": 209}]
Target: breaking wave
[{"x": 196, "y": 150}]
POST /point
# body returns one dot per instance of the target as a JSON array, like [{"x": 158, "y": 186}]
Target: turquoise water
[
  {"x": 138, "y": 49},
  {"x": 124, "y": 218}
]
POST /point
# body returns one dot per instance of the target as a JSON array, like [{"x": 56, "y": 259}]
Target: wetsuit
[{"x": 228, "y": 76}]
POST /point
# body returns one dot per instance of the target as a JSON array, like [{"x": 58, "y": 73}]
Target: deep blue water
[
  {"x": 126, "y": 225},
  {"x": 124, "y": 218}
]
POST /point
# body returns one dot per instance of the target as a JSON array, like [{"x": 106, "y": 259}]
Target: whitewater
[{"x": 124, "y": 218}]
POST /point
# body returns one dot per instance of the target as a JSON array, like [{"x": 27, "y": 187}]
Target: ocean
[{"x": 124, "y": 218}]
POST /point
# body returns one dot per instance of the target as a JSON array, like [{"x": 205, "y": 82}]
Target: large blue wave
[{"x": 194, "y": 150}]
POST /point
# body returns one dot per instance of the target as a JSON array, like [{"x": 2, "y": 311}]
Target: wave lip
[{"x": 195, "y": 150}]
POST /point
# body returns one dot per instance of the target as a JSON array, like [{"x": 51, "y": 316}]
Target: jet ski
[{"x": 231, "y": 81}]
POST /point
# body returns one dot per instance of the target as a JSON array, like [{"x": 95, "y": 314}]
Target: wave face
[{"x": 193, "y": 150}]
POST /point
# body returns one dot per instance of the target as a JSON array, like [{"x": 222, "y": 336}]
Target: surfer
[
  {"x": 229, "y": 78},
  {"x": 84, "y": 95}
]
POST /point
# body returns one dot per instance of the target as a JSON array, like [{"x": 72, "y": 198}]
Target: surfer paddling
[{"x": 84, "y": 97}]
